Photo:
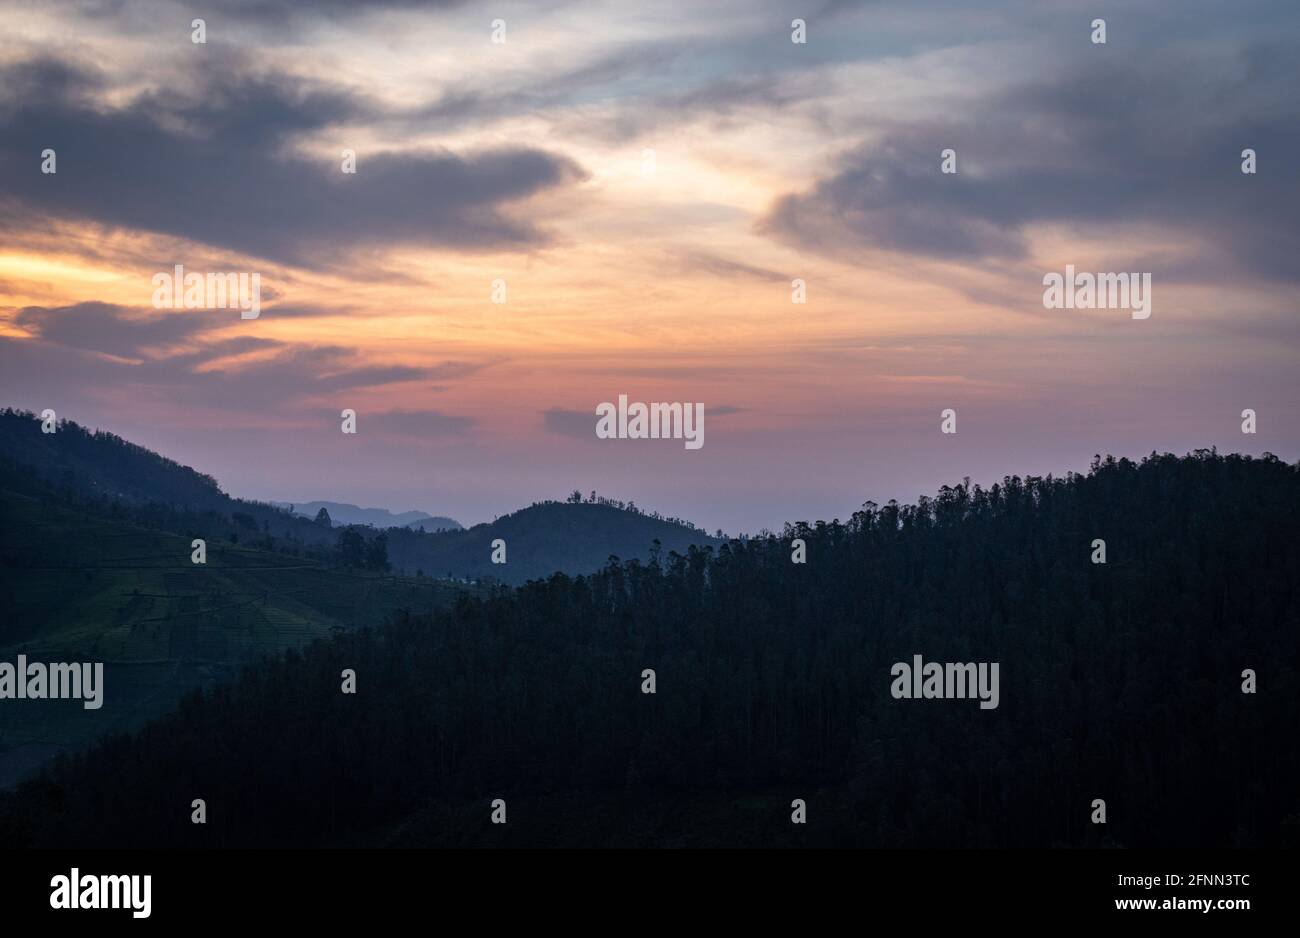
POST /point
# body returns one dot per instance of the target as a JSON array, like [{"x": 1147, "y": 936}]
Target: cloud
[
  {"x": 103, "y": 327},
  {"x": 714, "y": 265},
  {"x": 67, "y": 356},
  {"x": 716, "y": 101},
  {"x": 277, "y": 14},
  {"x": 283, "y": 10},
  {"x": 576, "y": 424},
  {"x": 1080, "y": 148},
  {"x": 215, "y": 165}
]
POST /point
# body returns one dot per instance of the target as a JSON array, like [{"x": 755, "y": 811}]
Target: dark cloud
[
  {"x": 575, "y": 424},
  {"x": 213, "y": 166},
  {"x": 1123, "y": 141},
  {"x": 102, "y": 327}
]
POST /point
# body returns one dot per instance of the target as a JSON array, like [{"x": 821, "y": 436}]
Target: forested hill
[
  {"x": 1120, "y": 682},
  {"x": 573, "y": 537},
  {"x": 97, "y": 468},
  {"x": 97, "y": 463}
]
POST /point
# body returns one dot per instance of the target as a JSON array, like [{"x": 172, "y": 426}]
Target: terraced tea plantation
[{"x": 86, "y": 587}]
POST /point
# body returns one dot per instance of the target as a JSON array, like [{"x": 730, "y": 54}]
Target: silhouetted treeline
[{"x": 1119, "y": 681}]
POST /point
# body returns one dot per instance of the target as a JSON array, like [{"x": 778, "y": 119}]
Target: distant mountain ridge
[
  {"x": 573, "y": 537},
  {"x": 344, "y": 513}
]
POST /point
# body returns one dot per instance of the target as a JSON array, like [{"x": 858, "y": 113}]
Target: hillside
[
  {"x": 543, "y": 539},
  {"x": 80, "y": 584},
  {"x": 97, "y": 467},
  {"x": 773, "y": 683},
  {"x": 96, "y": 463}
]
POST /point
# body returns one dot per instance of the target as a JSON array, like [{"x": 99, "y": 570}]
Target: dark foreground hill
[
  {"x": 95, "y": 545},
  {"x": 1120, "y": 682}
]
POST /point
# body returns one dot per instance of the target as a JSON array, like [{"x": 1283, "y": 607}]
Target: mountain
[
  {"x": 545, "y": 538},
  {"x": 342, "y": 513},
  {"x": 549, "y": 537},
  {"x": 1164, "y": 681}
]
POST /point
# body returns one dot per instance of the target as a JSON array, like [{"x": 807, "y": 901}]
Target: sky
[{"x": 648, "y": 179}]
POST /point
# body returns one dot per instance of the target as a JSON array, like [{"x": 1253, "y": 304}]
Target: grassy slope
[{"x": 83, "y": 587}]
